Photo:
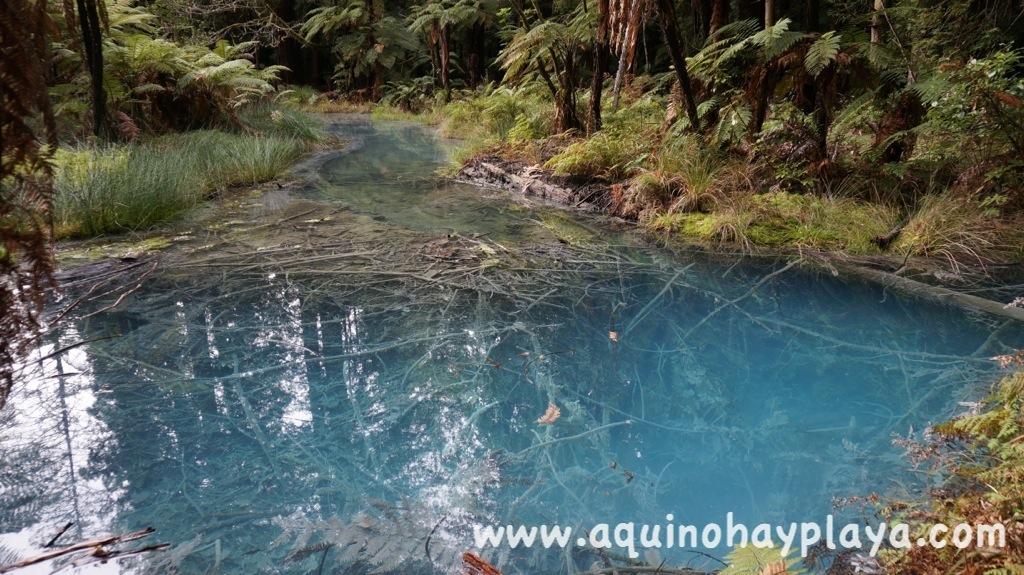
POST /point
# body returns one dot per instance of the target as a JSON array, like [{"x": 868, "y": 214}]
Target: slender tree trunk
[
  {"x": 600, "y": 63},
  {"x": 822, "y": 118},
  {"x": 92, "y": 43},
  {"x": 378, "y": 81},
  {"x": 749, "y": 9},
  {"x": 567, "y": 82},
  {"x": 719, "y": 15},
  {"x": 701, "y": 17},
  {"x": 813, "y": 15},
  {"x": 445, "y": 57},
  {"x": 676, "y": 51},
  {"x": 626, "y": 49},
  {"x": 765, "y": 88},
  {"x": 475, "y": 60},
  {"x": 288, "y": 48},
  {"x": 769, "y": 13},
  {"x": 876, "y": 21}
]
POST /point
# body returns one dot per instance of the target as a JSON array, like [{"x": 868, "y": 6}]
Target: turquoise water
[{"x": 254, "y": 414}]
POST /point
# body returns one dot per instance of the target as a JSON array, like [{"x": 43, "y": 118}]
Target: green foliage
[
  {"x": 733, "y": 123},
  {"x": 281, "y": 120},
  {"x": 366, "y": 39},
  {"x": 981, "y": 455},
  {"x": 953, "y": 227},
  {"x": 981, "y": 101},
  {"x": 112, "y": 189},
  {"x": 409, "y": 95},
  {"x": 822, "y": 52},
  {"x": 751, "y": 560},
  {"x": 726, "y": 54},
  {"x": 149, "y": 79},
  {"x": 605, "y": 154}
]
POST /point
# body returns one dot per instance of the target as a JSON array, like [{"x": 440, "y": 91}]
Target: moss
[{"x": 784, "y": 219}]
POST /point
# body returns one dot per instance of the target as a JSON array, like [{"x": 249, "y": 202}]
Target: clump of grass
[
  {"x": 608, "y": 154},
  {"x": 282, "y": 120},
  {"x": 622, "y": 148},
  {"x": 104, "y": 190},
  {"x": 462, "y": 120},
  {"x": 951, "y": 226},
  {"x": 821, "y": 222}
]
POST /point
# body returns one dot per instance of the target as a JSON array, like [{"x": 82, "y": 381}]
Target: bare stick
[
  {"x": 750, "y": 292},
  {"x": 78, "y": 547},
  {"x": 124, "y": 295},
  {"x": 59, "y": 534},
  {"x": 574, "y": 437}
]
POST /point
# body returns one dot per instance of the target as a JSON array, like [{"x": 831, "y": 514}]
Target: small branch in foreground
[
  {"x": 95, "y": 546},
  {"x": 59, "y": 534}
]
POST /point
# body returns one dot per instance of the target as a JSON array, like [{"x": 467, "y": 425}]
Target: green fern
[
  {"x": 822, "y": 52},
  {"x": 751, "y": 560}
]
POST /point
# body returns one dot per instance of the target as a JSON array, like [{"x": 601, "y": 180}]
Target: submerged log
[{"x": 937, "y": 294}]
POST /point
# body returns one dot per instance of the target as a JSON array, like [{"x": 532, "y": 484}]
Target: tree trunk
[
  {"x": 475, "y": 60},
  {"x": 92, "y": 43},
  {"x": 876, "y": 21},
  {"x": 701, "y": 18},
  {"x": 765, "y": 88},
  {"x": 600, "y": 63},
  {"x": 445, "y": 57},
  {"x": 378, "y": 81},
  {"x": 626, "y": 49},
  {"x": 769, "y": 13},
  {"x": 813, "y": 15},
  {"x": 719, "y": 15},
  {"x": 822, "y": 116},
  {"x": 676, "y": 51},
  {"x": 750, "y": 9}
]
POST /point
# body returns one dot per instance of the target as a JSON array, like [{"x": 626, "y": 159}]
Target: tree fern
[
  {"x": 776, "y": 39},
  {"x": 733, "y": 123},
  {"x": 822, "y": 52}
]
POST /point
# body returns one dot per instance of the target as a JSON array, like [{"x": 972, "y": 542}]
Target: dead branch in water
[{"x": 96, "y": 548}]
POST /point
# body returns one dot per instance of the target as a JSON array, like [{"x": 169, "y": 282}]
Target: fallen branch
[{"x": 93, "y": 545}]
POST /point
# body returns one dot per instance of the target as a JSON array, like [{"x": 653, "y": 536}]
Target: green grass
[
  {"x": 954, "y": 227},
  {"x": 782, "y": 219},
  {"x": 114, "y": 189},
  {"x": 282, "y": 120}
]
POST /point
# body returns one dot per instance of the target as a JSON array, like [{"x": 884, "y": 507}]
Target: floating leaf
[
  {"x": 613, "y": 335},
  {"x": 549, "y": 417},
  {"x": 473, "y": 564}
]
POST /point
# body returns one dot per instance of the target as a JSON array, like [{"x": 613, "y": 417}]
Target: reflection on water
[{"x": 264, "y": 422}]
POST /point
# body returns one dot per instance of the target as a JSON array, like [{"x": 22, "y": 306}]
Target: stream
[{"x": 350, "y": 370}]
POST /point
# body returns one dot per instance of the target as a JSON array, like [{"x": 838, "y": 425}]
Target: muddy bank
[{"x": 533, "y": 182}]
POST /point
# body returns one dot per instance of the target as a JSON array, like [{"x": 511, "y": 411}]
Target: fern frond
[
  {"x": 822, "y": 52},
  {"x": 776, "y": 39}
]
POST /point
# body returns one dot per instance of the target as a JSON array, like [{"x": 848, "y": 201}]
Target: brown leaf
[
  {"x": 613, "y": 335},
  {"x": 473, "y": 564},
  {"x": 549, "y": 417}
]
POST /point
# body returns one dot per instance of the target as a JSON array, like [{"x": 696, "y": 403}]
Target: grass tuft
[{"x": 114, "y": 189}]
